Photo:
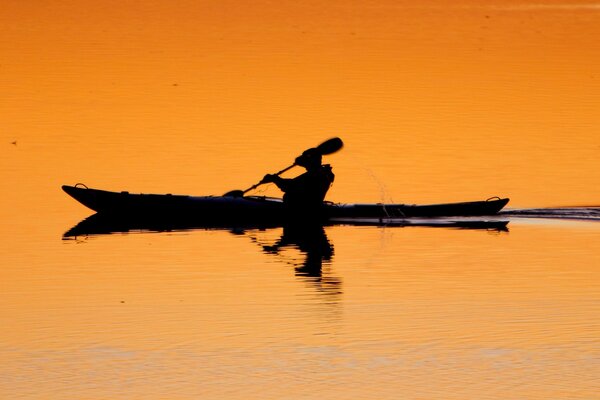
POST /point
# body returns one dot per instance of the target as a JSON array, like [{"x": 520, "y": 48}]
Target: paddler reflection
[
  {"x": 316, "y": 254},
  {"x": 309, "y": 240}
]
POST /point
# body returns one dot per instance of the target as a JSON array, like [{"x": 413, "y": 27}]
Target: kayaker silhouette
[{"x": 304, "y": 194}]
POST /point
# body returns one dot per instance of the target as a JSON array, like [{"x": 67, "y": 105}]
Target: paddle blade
[{"x": 330, "y": 146}]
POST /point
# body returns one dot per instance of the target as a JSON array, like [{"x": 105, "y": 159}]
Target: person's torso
[{"x": 309, "y": 189}]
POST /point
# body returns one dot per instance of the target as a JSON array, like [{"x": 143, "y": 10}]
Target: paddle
[{"x": 327, "y": 147}]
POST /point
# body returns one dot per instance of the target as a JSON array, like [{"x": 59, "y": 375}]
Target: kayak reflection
[
  {"x": 310, "y": 240},
  {"x": 100, "y": 224}
]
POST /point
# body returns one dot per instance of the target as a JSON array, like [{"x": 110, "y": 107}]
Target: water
[
  {"x": 424, "y": 311},
  {"x": 436, "y": 103}
]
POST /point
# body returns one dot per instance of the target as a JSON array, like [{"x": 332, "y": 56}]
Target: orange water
[{"x": 436, "y": 102}]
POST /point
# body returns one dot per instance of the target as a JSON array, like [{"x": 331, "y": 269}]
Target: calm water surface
[
  {"x": 417, "y": 312},
  {"x": 437, "y": 103}
]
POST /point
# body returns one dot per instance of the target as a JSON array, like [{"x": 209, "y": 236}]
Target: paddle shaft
[{"x": 260, "y": 183}]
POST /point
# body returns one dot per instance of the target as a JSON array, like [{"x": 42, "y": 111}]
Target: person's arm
[{"x": 281, "y": 183}]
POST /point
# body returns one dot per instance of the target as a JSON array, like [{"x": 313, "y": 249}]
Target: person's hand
[{"x": 269, "y": 178}]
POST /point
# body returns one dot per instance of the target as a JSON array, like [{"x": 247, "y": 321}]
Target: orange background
[{"x": 441, "y": 101}]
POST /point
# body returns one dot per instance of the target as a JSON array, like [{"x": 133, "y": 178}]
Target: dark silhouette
[
  {"x": 256, "y": 209},
  {"x": 311, "y": 240},
  {"x": 102, "y": 224},
  {"x": 304, "y": 195},
  {"x": 329, "y": 146}
]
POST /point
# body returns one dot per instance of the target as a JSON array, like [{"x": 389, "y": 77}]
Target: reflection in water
[
  {"x": 98, "y": 224},
  {"x": 314, "y": 262},
  {"x": 312, "y": 241},
  {"x": 309, "y": 239}
]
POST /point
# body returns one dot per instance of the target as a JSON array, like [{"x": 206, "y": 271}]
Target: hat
[{"x": 309, "y": 155}]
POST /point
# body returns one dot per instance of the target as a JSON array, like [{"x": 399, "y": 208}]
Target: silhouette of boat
[
  {"x": 125, "y": 212},
  {"x": 102, "y": 224},
  {"x": 257, "y": 209}
]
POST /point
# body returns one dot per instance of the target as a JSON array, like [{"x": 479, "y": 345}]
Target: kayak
[{"x": 204, "y": 209}]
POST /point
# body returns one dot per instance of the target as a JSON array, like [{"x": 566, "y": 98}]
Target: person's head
[{"x": 311, "y": 158}]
